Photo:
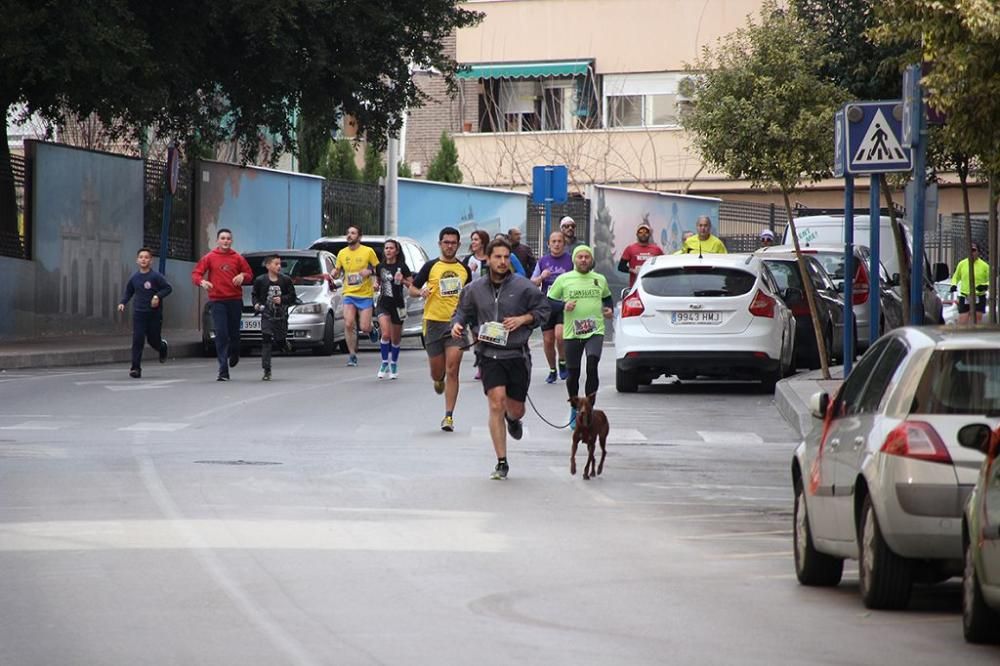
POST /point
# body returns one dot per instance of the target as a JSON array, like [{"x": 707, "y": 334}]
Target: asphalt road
[{"x": 323, "y": 518}]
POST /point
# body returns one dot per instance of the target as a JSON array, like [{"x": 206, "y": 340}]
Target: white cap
[
  {"x": 566, "y": 219},
  {"x": 767, "y": 233}
]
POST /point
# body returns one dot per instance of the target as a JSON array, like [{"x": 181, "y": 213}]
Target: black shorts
[
  {"x": 555, "y": 315},
  {"x": 514, "y": 373},
  {"x": 387, "y": 307},
  {"x": 963, "y": 304}
]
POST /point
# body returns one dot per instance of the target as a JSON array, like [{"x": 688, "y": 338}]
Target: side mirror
[
  {"x": 894, "y": 281},
  {"x": 975, "y": 436},
  {"x": 941, "y": 272},
  {"x": 793, "y": 295},
  {"x": 819, "y": 403}
]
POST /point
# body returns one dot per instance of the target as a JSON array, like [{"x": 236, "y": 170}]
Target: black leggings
[{"x": 575, "y": 350}]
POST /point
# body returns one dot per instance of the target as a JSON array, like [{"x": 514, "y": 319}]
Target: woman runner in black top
[{"x": 393, "y": 275}]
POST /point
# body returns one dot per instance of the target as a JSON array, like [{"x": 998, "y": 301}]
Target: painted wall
[
  {"x": 427, "y": 207},
  {"x": 616, "y": 212},
  {"x": 266, "y": 209}
]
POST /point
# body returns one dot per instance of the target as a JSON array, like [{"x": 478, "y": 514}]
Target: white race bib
[
  {"x": 354, "y": 279},
  {"x": 493, "y": 333},
  {"x": 584, "y": 326},
  {"x": 450, "y": 286},
  {"x": 401, "y": 313}
]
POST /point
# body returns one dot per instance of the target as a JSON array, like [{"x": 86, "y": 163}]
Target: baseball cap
[
  {"x": 644, "y": 225},
  {"x": 567, "y": 220},
  {"x": 767, "y": 233}
]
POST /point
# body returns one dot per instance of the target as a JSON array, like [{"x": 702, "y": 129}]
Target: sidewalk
[
  {"x": 791, "y": 396},
  {"x": 89, "y": 350}
]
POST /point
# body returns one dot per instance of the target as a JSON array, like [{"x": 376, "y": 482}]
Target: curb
[
  {"x": 793, "y": 408},
  {"x": 82, "y": 356}
]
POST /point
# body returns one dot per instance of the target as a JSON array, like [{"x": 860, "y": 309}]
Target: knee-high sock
[
  {"x": 395, "y": 353},
  {"x": 384, "y": 348}
]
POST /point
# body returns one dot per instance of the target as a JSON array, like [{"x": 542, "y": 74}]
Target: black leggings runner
[{"x": 575, "y": 350}]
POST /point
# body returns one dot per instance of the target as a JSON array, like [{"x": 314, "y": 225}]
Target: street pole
[
  {"x": 848, "y": 273},
  {"x": 874, "y": 292},
  {"x": 392, "y": 187},
  {"x": 919, "y": 203},
  {"x": 169, "y": 187}
]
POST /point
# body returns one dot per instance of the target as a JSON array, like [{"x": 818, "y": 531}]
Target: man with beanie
[
  {"x": 567, "y": 225},
  {"x": 636, "y": 254},
  {"x": 588, "y": 304}
]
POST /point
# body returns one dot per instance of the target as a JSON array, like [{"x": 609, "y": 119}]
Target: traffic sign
[
  {"x": 873, "y": 138},
  {"x": 838, "y": 144},
  {"x": 549, "y": 184}
]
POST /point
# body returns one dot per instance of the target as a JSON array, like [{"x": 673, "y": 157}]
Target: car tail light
[
  {"x": 916, "y": 439},
  {"x": 861, "y": 285},
  {"x": 762, "y": 305},
  {"x": 632, "y": 305}
]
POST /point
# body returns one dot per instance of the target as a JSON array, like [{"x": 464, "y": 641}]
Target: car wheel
[
  {"x": 885, "y": 578},
  {"x": 328, "y": 346},
  {"x": 811, "y": 566},
  {"x": 625, "y": 381},
  {"x": 980, "y": 623}
]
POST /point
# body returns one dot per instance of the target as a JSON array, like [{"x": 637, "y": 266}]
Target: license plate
[
  {"x": 250, "y": 324},
  {"x": 680, "y": 318}
]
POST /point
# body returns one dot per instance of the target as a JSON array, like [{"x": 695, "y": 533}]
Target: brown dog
[{"x": 591, "y": 425}]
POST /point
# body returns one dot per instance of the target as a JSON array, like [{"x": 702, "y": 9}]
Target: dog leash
[{"x": 539, "y": 414}]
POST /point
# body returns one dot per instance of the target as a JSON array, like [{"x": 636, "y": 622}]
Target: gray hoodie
[{"x": 482, "y": 301}]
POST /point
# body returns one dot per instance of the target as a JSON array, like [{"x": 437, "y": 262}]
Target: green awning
[{"x": 524, "y": 70}]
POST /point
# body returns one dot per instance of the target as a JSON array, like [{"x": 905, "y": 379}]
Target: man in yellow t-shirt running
[
  {"x": 703, "y": 242},
  {"x": 357, "y": 264}
]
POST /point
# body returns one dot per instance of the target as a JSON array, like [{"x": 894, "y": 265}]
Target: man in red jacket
[{"x": 222, "y": 273}]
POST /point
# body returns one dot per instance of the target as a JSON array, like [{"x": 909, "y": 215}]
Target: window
[
  {"x": 849, "y": 399},
  {"x": 642, "y": 100},
  {"x": 528, "y": 105},
  {"x": 881, "y": 375},
  {"x": 698, "y": 281},
  {"x": 960, "y": 381}
]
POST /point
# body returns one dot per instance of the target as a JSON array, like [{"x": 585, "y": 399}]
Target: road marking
[
  {"x": 132, "y": 385},
  {"x": 156, "y": 426},
  {"x": 626, "y": 435},
  {"x": 28, "y": 451},
  {"x": 589, "y": 487},
  {"x": 38, "y": 425},
  {"x": 754, "y": 556},
  {"x": 737, "y": 535},
  {"x": 725, "y": 437}
]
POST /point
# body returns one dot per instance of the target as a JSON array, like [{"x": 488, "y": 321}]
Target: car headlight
[{"x": 307, "y": 308}]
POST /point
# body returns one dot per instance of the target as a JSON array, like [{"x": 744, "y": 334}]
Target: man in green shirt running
[{"x": 588, "y": 304}]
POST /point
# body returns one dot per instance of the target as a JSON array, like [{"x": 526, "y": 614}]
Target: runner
[
  {"x": 548, "y": 268},
  {"x": 588, "y": 304},
  {"x": 222, "y": 273},
  {"x": 149, "y": 288},
  {"x": 357, "y": 263},
  {"x": 272, "y": 294},
  {"x": 393, "y": 275},
  {"x": 567, "y": 225},
  {"x": 505, "y": 307},
  {"x": 439, "y": 283},
  {"x": 636, "y": 254}
]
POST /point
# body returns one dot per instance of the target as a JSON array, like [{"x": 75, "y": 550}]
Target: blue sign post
[
  {"x": 913, "y": 133},
  {"x": 171, "y": 173},
  {"x": 549, "y": 185}
]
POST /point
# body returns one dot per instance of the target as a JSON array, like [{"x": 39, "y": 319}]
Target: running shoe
[
  {"x": 352, "y": 361},
  {"x": 439, "y": 386},
  {"x": 393, "y": 371},
  {"x": 563, "y": 370},
  {"x": 514, "y": 428},
  {"x": 572, "y": 418},
  {"x": 164, "y": 349},
  {"x": 448, "y": 424},
  {"x": 551, "y": 379},
  {"x": 383, "y": 370},
  {"x": 267, "y": 376},
  {"x": 135, "y": 373},
  {"x": 374, "y": 336},
  {"x": 500, "y": 471},
  {"x": 222, "y": 378}
]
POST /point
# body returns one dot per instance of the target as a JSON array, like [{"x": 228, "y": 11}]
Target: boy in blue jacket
[{"x": 149, "y": 289}]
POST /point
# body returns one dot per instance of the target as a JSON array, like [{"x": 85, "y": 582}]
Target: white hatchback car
[
  {"x": 717, "y": 315},
  {"x": 883, "y": 477}
]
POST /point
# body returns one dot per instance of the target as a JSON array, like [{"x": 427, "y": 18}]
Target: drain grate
[{"x": 236, "y": 462}]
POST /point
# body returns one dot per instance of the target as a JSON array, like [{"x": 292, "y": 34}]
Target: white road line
[
  {"x": 724, "y": 437},
  {"x": 754, "y": 556},
  {"x": 38, "y": 425},
  {"x": 156, "y": 426},
  {"x": 737, "y": 535},
  {"x": 589, "y": 487},
  {"x": 626, "y": 435}
]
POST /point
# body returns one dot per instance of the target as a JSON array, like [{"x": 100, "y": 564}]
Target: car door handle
[
  {"x": 858, "y": 442},
  {"x": 835, "y": 442}
]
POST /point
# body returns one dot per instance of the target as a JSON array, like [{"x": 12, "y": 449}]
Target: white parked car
[
  {"x": 717, "y": 315},
  {"x": 882, "y": 477}
]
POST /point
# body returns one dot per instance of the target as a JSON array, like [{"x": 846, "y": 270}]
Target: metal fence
[
  {"x": 347, "y": 202},
  {"x": 180, "y": 240},
  {"x": 576, "y": 207},
  {"x": 948, "y": 243},
  {"x": 15, "y": 241},
  {"x": 740, "y": 223}
]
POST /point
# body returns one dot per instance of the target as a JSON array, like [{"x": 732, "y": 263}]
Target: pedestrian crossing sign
[{"x": 873, "y": 138}]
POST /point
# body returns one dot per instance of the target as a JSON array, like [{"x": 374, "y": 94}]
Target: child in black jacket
[
  {"x": 149, "y": 289},
  {"x": 273, "y": 293}
]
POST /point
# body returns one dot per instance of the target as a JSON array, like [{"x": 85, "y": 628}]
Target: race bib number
[
  {"x": 401, "y": 313},
  {"x": 584, "y": 326},
  {"x": 450, "y": 286},
  {"x": 493, "y": 333},
  {"x": 354, "y": 279}
]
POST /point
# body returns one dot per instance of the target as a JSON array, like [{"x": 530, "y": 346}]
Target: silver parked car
[
  {"x": 883, "y": 478},
  {"x": 315, "y": 323}
]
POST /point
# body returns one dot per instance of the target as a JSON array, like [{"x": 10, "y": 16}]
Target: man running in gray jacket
[{"x": 506, "y": 308}]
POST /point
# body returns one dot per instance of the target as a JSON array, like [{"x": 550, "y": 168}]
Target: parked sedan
[
  {"x": 981, "y": 540},
  {"x": 883, "y": 478},
  {"x": 716, "y": 315},
  {"x": 829, "y": 304},
  {"x": 316, "y": 322}
]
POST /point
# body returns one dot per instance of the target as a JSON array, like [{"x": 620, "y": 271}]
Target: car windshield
[
  {"x": 960, "y": 381},
  {"x": 699, "y": 281},
  {"x": 832, "y": 264},
  {"x": 302, "y": 270}
]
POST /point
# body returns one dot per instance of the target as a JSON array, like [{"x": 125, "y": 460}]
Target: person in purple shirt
[
  {"x": 149, "y": 289},
  {"x": 548, "y": 268}
]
